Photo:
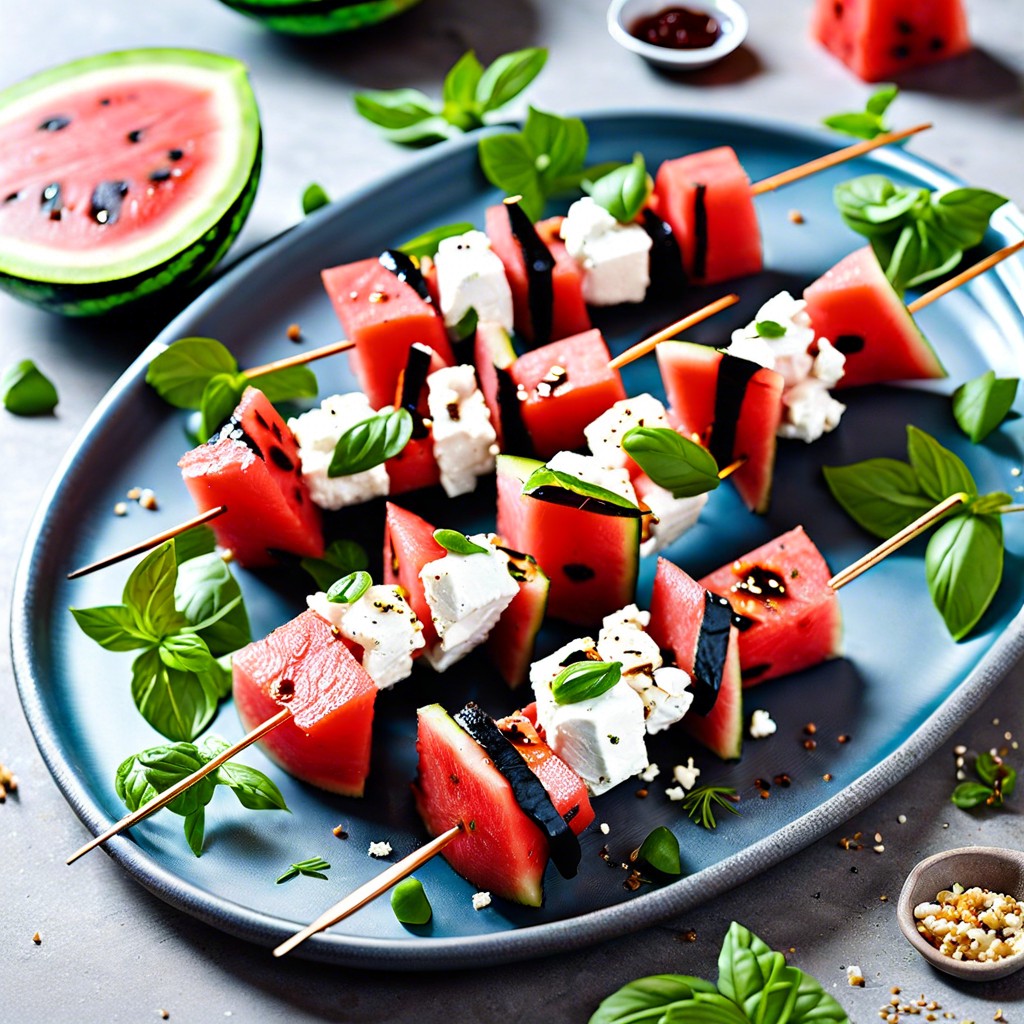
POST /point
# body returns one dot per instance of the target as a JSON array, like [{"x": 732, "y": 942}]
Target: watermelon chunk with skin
[
  {"x": 706, "y": 199},
  {"x": 590, "y": 559},
  {"x": 306, "y": 666},
  {"x": 493, "y": 355},
  {"x": 511, "y": 642},
  {"x": 795, "y": 618},
  {"x": 858, "y": 310},
  {"x": 414, "y": 467},
  {"x": 730, "y": 405},
  {"x": 686, "y": 619},
  {"x": 258, "y": 476},
  {"x": 408, "y": 545},
  {"x": 880, "y": 39},
  {"x": 383, "y": 316},
  {"x": 563, "y": 387}
]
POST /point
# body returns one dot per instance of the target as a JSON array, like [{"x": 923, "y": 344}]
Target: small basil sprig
[
  {"x": 755, "y": 986},
  {"x": 470, "y": 96},
  {"x": 313, "y": 198},
  {"x": 339, "y": 559},
  {"x": 660, "y": 850},
  {"x": 964, "y": 557},
  {"x": 427, "y": 243},
  {"x": 672, "y": 461},
  {"x": 144, "y": 775},
  {"x": 200, "y": 373},
  {"x": 998, "y": 781},
  {"x": 458, "y": 543},
  {"x": 916, "y": 234},
  {"x": 564, "y": 488},
  {"x": 981, "y": 404},
  {"x": 769, "y": 329},
  {"x": 700, "y": 803},
  {"x": 350, "y": 588},
  {"x": 371, "y": 442},
  {"x": 312, "y": 868},
  {"x": 545, "y": 159},
  {"x": 26, "y": 390},
  {"x": 585, "y": 680},
  {"x": 624, "y": 191},
  {"x": 869, "y": 122}
]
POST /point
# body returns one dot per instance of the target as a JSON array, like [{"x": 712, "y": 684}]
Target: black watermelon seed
[
  {"x": 160, "y": 174},
  {"x": 105, "y": 102},
  {"x": 298, "y": 495},
  {"x": 50, "y": 201},
  {"x": 262, "y": 422},
  {"x": 937, "y": 44},
  {"x": 578, "y": 572},
  {"x": 279, "y": 459},
  {"x": 12, "y": 197},
  {"x": 901, "y": 52},
  {"x": 849, "y": 343},
  {"x": 175, "y": 154},
  {"x": 837, "y": 9},
  {"x": 276, "y": 431},
  {"x": 904, "y": 27},
  {"x": 105, "y": 204},
  {"x": 55, "y": 124},
  {"x": 135, "y": 135}
]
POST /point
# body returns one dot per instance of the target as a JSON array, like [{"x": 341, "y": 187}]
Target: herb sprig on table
[
  {"x": 26, "y": 391},
  {"x": 997, "y": 781}
]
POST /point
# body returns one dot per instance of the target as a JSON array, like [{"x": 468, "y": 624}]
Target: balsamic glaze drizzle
[
  {"x": 712, "y": 649},
  {"x": 700, "y": 231},
  {"x": 734, "y": 375},
  {"x": 540, "y": 265}
]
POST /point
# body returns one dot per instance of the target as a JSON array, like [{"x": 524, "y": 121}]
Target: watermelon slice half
[
  {"x": 511, "y": 642},
  {"x": 319, "y": 17},
  {"x": 408, "y": 545},
  {"x": 122, "y": 175}
]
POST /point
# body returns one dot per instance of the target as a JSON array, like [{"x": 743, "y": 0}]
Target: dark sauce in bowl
[{"x": 678, "y": 28}]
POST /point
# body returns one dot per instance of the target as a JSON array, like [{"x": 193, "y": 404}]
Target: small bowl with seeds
[{"x": 963, "y": 911}]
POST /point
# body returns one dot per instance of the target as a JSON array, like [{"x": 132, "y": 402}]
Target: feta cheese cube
[
  {"x": 471, "y": 276},
  {"x": 481, "y": 900},
  {"x": 674, "y": 515},
  {"x": 466, "y": 595},
  {"x": 788, "y": 354},
  {"x": 383, "y": 624},
  {"x": 464, "y": 440},
  {"x": 614, "y": 257},
  {"x": 604, "y": 435},
  {"x": 317, "y": 433},
  {"x": 590, "y": 469}
]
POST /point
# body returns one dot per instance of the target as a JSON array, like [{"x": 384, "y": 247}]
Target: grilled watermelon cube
[
  {"x": 408, "y": 545},
  {"x": 511, "y": 642}
]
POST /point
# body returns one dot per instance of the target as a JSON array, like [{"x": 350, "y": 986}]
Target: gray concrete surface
[{"x": 112, "y": 953}]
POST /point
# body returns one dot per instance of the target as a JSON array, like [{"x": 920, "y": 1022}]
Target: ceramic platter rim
[{"x": 531, "y": 940}]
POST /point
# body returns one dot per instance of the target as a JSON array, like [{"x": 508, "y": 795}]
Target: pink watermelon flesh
[
  {"x": 591, "y": 559},
  {"x": 493, "y": 356},
  {"x": 383, "y": 317},
  {"x": 306, "y": 666},
  {"x": 414, "y": 467},
  {"x": 686, "y": 619},
  {"x": 795, "y": 616},
  {"x": 254, "y": 470},
  {"x": 880, "y": 39},
  {"x": 511, "y": 641},
  {"x": 706, "y": 200},
  {"x": 408, "y": 545},
  {"x": 857, "y": 309},
  {"x": 731, "y": 406}
]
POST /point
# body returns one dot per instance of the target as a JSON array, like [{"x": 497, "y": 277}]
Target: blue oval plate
[{"x": 903, "y": 686}]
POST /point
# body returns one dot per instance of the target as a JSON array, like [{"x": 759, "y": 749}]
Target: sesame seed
[
  {"x": 147, "y": 499},
  {"x": 902, "y": 819},
  {"x": 121, "y": 509}
]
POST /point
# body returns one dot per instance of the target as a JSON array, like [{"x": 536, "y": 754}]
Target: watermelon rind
[
  {"x": 318, "y": 17},
  {"x": 95, "y": 281}
]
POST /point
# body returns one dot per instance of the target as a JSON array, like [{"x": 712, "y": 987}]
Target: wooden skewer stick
[
  {"x": 299, "y": 360},
  {"x": 151, "y": 542},
  {"x": 840, "y": 156},
  {"x": 164, "y": 798},
  {"x": 897, "y": 540},
  {"x": 641, "y": 348},
  {"x": 964, "y": 276},
  {"x": 371, "y": 889}
]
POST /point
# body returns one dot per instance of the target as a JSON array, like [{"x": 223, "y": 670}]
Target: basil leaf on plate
[
  {"x": 220, "y": 396},
  {"x": 458, "y": 543},
  {"x": 371, "y": 442},
  {"x": 660, "y": 850},
  {"x": 981, "y": 404},
  {"x": 113, "y": 627},
  {"x": 287, "y": 384},
  {"x": 705, "y": 1008},
  {"x": 880, "y": 495},
  {"x": 869, "y": 122},
  {"x": 565, "y": 489},
  {"x": 672, "y": 461},
  {"x": 26, "y": 390},
  {"x": 427, "y": 243},
  {"x": 939, "y": 472},
  {"x": 185, "y": 652},
  {"x": 253, "y": 789},
  {"x": 508, "y": 161},
  {"x": 349, "y": 588},
  {"x": 181, "y": 372},
  {"x": 199, "y": 540},
  {"x": 178, "y": 704},
  {"x": 210, "y": 599},
  {"x": 313, "y": 198},
  {"x": 585, "y": 680},
  {"x": 340, "y": 558},
  {"x": 623, "y": 191},
  {"x": 149, "y": 592}
]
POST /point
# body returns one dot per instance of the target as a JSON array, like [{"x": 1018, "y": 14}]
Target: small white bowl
[{"x": 729, "y": 14}]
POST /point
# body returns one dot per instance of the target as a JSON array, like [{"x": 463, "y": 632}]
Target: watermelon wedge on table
[
  {"x": 858, "y": 310},
  {"x": 696, "y": 625},
  {"x": 252, "y": 466},
  {"x": 730, "y": 405},
  {"x": 408, "y": 545},
  {"x": 790, "y": 617},
  {"x": 306, "y": 666}
]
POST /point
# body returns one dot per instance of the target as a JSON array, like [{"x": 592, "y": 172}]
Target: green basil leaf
[
  {"x": 131, "y": 785},
  {"x": 220, "y": 396},
  {"x": 312, "y": 868},
  {"x": 459, "y": 92},
  {"x": 199, "y": 540},
  {"x": 591, "y": 497},
  {"x": 169, "y": 764},
  {"x": 964, "y": 213},
  {"x": 585, "y": 680},
  {"x": 645, "y": 1000},
  {"x": 181, "y": 372},
  {"x": 26, "y": 390},
  {"x": 195, "y": 829},
  {"x": 185, "y": 652},
  {"x": 509, "y": 163},
  {"x": 939, "y": 472},
  {"x": 466, "y": 327},
  {"x": 813, "y": 1005},
  {"x": 179, "y": 705},
  {"x": 313, "y": 198},
  {"x": 559, "y": 144},
  {"x": 288, "y": 384},
  {"x": 970, "y": 794},
  {"x": 210, "y": 599},
  {"x": 507, "y": 77},
  {"x": 424, "y": 133},
  {"x": 705, "y": 1008},
  {"x": 672, "y": 461},
  {"x": 964, "y": 564},
  {"x": 1009, "y": 777},
  {"x": 624, "y": 191},
  {"x": 350, "y": 588},
  {"x": 920, "y": 254},
  {"x": 873, "y": 205},
  {"x": 211, "y": 746},
  {"x": 981, "y": 404},
  {"x": 880, "y": 495},
  {"x": 395, "y": 109},
  {"x": 427, "y": 243},
  {"x": 458, "y": 543},
  {"x": 149, "y": 593},
  {"x": 113, "y": 627},
  {"x": 371, "y": 442},
  {"x": 769, "y": 329},
  {"x": 861, "y": 125},
  {"x": 879, "y": 102},
  {"x": 573, "y": 181},
  {"x": 340, "y": 558},
  {"x": 409, "y": 902},
  {"x": 987, "y": 767},
  {"x": 660, "y": 850},
  {"x": 745, "y": 962},
  {"x": 254, "y": 790},
  {"x": 988, "y": 504}
]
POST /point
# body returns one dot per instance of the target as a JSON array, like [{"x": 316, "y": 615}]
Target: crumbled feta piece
[
  {"x": 809, "y": 411},
  {"x": 674, "y": 515},
  {"x": 471, "y": 276},
  {"x": 466, "y": 595},
  {"x": 463, "y": 436},
  {"x": 855, "y": 976},
  {"x": 686, "y": 774},
  {"x": 614, "y": 257},
  {"x": 481, "y": 900},
  {"x": 383, "y": 624},
  {"x": 675, "y": 793},
  {"x": 761, "y": 724},
  {"x": 667, "y": 699},
  {"x": 590, "y": 469},
  {"x": 605, "y": 828},
  {"x": 317, "y": 433},
  {"x": 601, "y": 739},
  {"x": 604, "y": 435},
  {"x": 650, "y": 773},
  {"x": 382, "y": 849},
  {"x": 829, "y": 364}
]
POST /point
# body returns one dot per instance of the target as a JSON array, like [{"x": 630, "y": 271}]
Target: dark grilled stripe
[
  {"x": 668, "y": 275},
  {"x": 413, "y": 380},
  {"x": 402, "y": 266},
  {"x": 700, "y": 232},
  {"x": 540, "y": 264},
  {"x": 515, "y": 439},
  {"x": 734, "y": 375},
  {"x": 712, "y": 648}
]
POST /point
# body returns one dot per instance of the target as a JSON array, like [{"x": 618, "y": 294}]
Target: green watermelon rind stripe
[
  {"x": 319, "y": 17},
  {"x": 169, "y": 249}
]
